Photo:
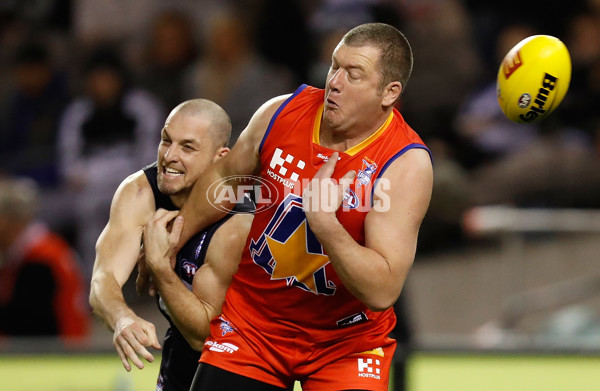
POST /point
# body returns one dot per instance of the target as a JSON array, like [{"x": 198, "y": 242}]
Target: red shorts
[{"x": 281, "y": 360}]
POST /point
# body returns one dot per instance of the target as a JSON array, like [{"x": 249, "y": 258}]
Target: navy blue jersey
[
  {"x": 160, "y": 200},
  {"x": 179, "y": 360}
]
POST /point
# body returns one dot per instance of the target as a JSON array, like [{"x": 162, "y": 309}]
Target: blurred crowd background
[{"x": 85, "y": 87}]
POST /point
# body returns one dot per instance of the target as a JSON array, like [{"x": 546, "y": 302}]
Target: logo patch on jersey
[
  {"x": 350, "y": 200},
  {"x": 189, "y": 268},
  {"x": 224, "y": 347},
  {"x": 280, "y": 165},
  {"x": 288, "y": 249},
  {"x": 352, "y": 320},
  {"x": 225, "y": 327},
  {"x": 325, "y": 157},
  {"x": 363, "y": 177},
  {"x": 369, "y": 367}
]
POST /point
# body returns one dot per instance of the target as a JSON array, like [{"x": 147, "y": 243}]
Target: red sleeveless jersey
[
  {"x": 285, "y": 284},
  {"x": 38, "y": 245}
]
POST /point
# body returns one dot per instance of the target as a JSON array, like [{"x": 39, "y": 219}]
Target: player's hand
[
  {"x": 131, "y": 338},
  {"x": 324, "y": 195},
  {"x": 160, "y": 242}
]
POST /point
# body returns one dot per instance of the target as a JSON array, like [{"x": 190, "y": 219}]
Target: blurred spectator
[
  {"x": 128, "y": 20},
  {"x": 558, "y": 167},
  {"x": 484, "y": 133},
  {"x": 282, "y": 35},
  {"x": 447, "y": 66},
  {"x": 47, "y": 14},
  {"x": 553, "y": 172},
  {"x": 441, "y": 229},
  {"x": 41, "y": 286},
  {"x": 333, "y": 18},
  {"x": 489, "y": 17},
  {"x": 29, "y": 117},
  {"x": 170, "y": 50},
  {"x": 326, "y": 41},
  {"x": 107, "y": 132},
  {"x": 580, "y": 106},
  {"x": 232, "y": 74}
]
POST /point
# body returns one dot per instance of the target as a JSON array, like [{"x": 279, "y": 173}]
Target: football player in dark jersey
[{"x": 195, "y": 135}]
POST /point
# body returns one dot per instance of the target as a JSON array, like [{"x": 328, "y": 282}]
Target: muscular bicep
[
  {"x": 222, "y": 260},
  {"x": 400, "y": 201},
  {"x": 118, "y": 246}
]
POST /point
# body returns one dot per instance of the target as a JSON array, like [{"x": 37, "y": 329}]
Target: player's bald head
[{"x": 220, "y": 123}]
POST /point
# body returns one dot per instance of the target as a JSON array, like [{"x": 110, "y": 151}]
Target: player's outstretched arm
[
  {"x": 243, "y": 159},
  {"x": 375, "y": 272},
  {"x": 192, "y": 311},
  {"x": 117, "y": 251}
]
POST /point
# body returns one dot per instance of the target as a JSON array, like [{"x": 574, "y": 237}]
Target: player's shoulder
[
  {"x": 268, "y": 109},
  {"x": 305, "y": 91},
  {"x": 278, "y": 100},
  {"x": 136, "y": 182},
  {"x": 413, "y": 163},
  {"x": 255, "y": 131},
  {"x": 135, "y": 192}
]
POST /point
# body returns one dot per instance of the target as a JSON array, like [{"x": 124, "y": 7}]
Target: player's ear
[
  {"x": 221, "y": 152},
  {"x": 391, "y": 93}
]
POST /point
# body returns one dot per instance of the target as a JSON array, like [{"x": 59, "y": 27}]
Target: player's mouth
[
  {"x": 331, "y": 104},
  {"x": 171, "y": 172}
]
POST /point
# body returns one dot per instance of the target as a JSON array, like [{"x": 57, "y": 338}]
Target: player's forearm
[
  {"x": 188, "y": 313},
  {"x": 199, "y": 211},
  {"x": 107, "y": 301},
  {"x": 364, "y": 272}
]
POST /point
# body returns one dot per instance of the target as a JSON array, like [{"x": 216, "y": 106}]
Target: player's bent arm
[
  {"x": 117, "y": 251},
  {"x": 192, "y": 311},
  {"x": 375, "y": 273},
  {"x": 243, "y": 159},
  {"x": 118, "y": 247}
]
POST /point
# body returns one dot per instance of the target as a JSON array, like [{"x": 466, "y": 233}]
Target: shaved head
[
  {"x": 396, "y": 58},
  {"x": 195, "y": 135},
  {"x": 220, "y": 123}
]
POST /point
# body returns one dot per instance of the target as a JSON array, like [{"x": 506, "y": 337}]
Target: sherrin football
[{"x": 533, "y": 78}]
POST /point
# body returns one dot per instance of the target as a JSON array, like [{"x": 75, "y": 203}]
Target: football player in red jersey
[{"x": 349, "y": 183}]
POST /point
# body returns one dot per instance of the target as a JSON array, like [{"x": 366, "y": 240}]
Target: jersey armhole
[
  {"x": 274, "y": 117},
  {"x": 392, "y": 159}
]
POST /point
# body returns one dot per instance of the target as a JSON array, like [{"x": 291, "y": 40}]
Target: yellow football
[{"x": 533, "y": 78}]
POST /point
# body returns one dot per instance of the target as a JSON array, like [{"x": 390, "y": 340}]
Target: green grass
[
  {"x": 74, "y": 373},
  {"x": 427, "y": 372},
  {"x": 503, "y": 373}
]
